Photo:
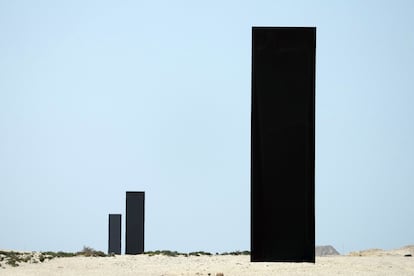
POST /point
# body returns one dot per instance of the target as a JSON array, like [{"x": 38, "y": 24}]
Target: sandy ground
[{"x": 372, "y": 262}]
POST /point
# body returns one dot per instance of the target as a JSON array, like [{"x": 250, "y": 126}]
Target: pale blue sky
[{"x": 101, "y": 97}]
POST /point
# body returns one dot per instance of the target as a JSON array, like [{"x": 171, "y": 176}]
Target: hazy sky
[{"x": 101, "y": 97}]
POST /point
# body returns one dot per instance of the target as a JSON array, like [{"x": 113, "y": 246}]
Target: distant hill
[{"x": 325, "y": 250}]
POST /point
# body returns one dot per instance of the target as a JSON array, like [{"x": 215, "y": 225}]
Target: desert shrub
[
  {"x": 59, "y": 254},
  {"x": 199, "y": 253},
  {"x": 12, "y": 262},
  {"x": 48, "y": 253},
  {"x": 90, "y": 252},
  {"x": 26, "y": 258},
  {"x": 12, "y": 258},
  {"x": 236, "y": 253},
  {"x": 86, "y": 251},
  {"x": 41, "y": 258},
  {"x": 9, "y": 254},
  {"x": 152, "y": 253},
  {"x": 168, "y": 253}
]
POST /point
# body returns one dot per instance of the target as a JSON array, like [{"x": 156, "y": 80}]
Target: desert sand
[{"x": 368, "y": 262}]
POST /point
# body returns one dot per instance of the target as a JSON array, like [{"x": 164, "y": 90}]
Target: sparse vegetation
[
  {"x": 13, "y": 259},
  {"x": 165, "y": 253},
  {"x": 196, "y": 253},
  {"x": 26, "y": 258},
  {"x": 90, "y": 252},
  {"x": 59, "y": 254},
  {"x": 41, "y": 258},
  {"x": 236, "y": 253},
  {"x": 12, "y": 262},
  {"x": 199, "y": 253}
]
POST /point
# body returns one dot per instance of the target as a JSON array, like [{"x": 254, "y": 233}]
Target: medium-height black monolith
[
  {"x": 134, "y": 238},
  {"x": 283, "y": 144},
  {"x": 114, "y": 234}
]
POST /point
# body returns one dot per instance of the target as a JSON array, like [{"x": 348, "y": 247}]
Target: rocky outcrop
[{"x": 325, "y": 250}]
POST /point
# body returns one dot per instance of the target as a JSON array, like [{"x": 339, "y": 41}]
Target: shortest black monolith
[{"x": 114, "y": 234}]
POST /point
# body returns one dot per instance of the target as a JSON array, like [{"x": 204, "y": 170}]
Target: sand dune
[{"x": 367, "y": 262}]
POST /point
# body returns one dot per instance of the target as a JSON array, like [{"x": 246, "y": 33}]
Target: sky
[{"x": 102, "y": 97}]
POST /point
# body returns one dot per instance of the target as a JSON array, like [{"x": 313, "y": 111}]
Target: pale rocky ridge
[{"x": 325, "y": 250}]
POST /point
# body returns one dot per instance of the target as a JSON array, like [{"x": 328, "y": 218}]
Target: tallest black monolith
[
  {"x": 283, "y": 144},
  {"x": 135, "y": 219}
]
